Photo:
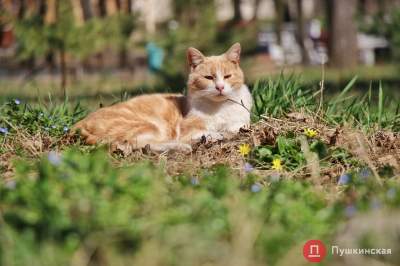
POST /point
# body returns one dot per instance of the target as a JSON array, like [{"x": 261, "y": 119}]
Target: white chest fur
[{"x": 225, "y": 116}]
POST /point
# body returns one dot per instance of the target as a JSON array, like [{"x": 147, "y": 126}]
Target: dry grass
[
  {"x": 375, "y": 150},
  {"x": 378, "y": 149}
]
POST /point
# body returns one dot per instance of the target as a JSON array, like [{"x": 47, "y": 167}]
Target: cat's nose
[{"x": 219, "y": 87}]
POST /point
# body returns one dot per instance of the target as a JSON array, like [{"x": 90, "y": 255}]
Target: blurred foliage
[
  {"x": 387, "y": 25},
  {"x": 67, "y": 199},
  {"x": 177, "y": 36},
  {"x": 76, "y": 205},
  {"x": 197, "y": 26},
  {"x": 37, "y": 39}
]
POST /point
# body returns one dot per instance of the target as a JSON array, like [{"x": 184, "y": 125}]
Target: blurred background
[
  {"x": 64, "y": 203},
  {"x": 104, "y": 50}
]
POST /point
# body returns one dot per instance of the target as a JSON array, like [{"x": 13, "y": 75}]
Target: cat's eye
[
  {"x": 209, "y": 77},
  {"x": 227, "y": 76}
]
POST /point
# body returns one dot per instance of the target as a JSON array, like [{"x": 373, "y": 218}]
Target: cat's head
[{"x": 214, "y": 77}]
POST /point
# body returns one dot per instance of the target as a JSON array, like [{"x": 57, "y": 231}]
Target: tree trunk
[
  {"x": 342, "y": 43},
  {"x": 63, "y": 70},
  {"x": 77, "y": 10},
  {"x": 126, "y": 6},
  {"x": 42, "y": 8},
  {"x": 237, "y": 12},
  {"x": 382, "y": 6},
  {"x": 21, "y": 9},
  {"x": 123, "y": 58},
  {"x": 8, "y": 6},
  {"x": 256, "y": 7},
  {"x": 362, "y": 7},
  {"x": 51, "y": 12},
  {"x": 279, "y": 13},
  {"x": 94, "y": 7},
  {"x": 51, "y": 62},
  {"x": 102, "y": 9},
  {"x": 32, "y": 7},
  {"x": 150, "y": 17},
  {"x": 112, "y": 7},
  {"x": 86, "y": 9},
  {"x": 301, "y": 34},
  {"x": 129, "y": 7}
]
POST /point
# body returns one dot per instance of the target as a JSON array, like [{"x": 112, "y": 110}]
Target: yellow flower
[
  {"x": 309, "y": 132},
  {"x": 244, "y": 149},
  {"x": 277, "y": 164}
]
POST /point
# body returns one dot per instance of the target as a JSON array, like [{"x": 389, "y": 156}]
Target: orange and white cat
[{"x": 218, "y": 102}]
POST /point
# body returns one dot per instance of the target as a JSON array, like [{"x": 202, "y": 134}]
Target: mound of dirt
[{"x": 376, "y": 150}]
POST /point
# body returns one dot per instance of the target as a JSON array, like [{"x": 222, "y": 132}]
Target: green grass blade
[
  {"x": 345, "y": 90},
  {"x": 380, "y": 106}
]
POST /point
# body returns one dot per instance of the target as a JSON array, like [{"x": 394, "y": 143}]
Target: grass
[
  {"x": 311, "y": 75},
  {"x": 108, "y": 86},
  {"x": 56, "y": 119},
  {"x": 309, "y": 169},
  {"x": 286, "y": 94}
]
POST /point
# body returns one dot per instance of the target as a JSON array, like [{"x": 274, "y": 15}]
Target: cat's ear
[
  {"x": 194, "y": 57},
  {"x": 233, "y": 54}
]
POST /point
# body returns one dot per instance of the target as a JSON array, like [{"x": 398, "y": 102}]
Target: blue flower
[
  {"x": 17, "y": 102},
  {"x": 65, "y": 129},
  {"x": 350, "y": 211},
  {"x": 194, "y": 181},
  {"x": 53, "y": 127},
  {"x": 255, "y": 188},
  {"x": 365, "y": 173},
  {"x": 344, "y": 179},
  {"x": 248, "y": 168},
  {"x": 54, "y": 158},
  {"x": 391, "y": 193},
  {"x": 4, "y": 130}
]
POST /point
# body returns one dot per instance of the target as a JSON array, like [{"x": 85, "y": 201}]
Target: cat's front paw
[
  {"x": 208, "y": 136},
  {"x": 184, "y": 148},
  {"x": 172, "y": 146},
  {"x": 214, "y": 136}
]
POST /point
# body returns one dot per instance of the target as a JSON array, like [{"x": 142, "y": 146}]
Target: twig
[
  {"x": 241, "y": 104},
  {"x": 322, "y": 86},
  {"x": 312, "y": 160},
  {"x": 279, "y": 120}
]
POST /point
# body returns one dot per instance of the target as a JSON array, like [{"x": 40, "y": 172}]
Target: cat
[{"x": 218, "y": 102}]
